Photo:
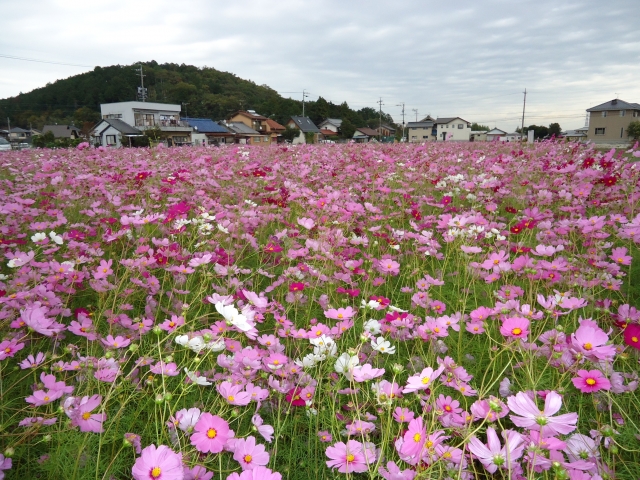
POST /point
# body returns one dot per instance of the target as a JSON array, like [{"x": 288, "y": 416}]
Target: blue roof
[{"x": 205, "y": 125}]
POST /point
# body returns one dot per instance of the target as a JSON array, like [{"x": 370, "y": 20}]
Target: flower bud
[
  {"x": 9, "y": 452},
  {"x": 156, "y": 329},
  {"x": 159, "y": 399}
]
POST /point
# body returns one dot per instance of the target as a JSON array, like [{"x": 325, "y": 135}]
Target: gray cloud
[{"x": 466, "y": 58}]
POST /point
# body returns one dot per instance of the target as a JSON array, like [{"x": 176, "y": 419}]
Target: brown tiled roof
[
  {"x": 368, "y": 131},
  {"x": 326, "y": 132},
  {"x": 273, "y": 125}
]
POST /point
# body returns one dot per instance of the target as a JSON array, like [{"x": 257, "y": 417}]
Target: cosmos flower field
[{"x": 453, "y": 311}]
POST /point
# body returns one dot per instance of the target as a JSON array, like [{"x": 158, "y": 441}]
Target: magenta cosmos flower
[
  {"x": 159, "y": 463},
  {"x": 340, "y": 313},
  {"x": 258, "y": 473},
  {"x": 515, "y": 327},
  {"x": 525, "y": 413},
  {"x": 248, "y": 454},
  {"x": 349, "y": 458},
  {"x": 589, "y": 381},
  {"x": 210, "y": 433}
]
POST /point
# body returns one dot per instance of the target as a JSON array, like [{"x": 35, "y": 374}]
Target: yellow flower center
[
  {"x": 247, "y": 458},
  {"x": 429, "y": 444},
  {"x": 231, "y": 398},
  {"x": 46, "y": 399},
  {"x": 155, "y": 472},
  {"x": 516, "y": 331},
  {"x": 339, "y": 315},
  {"x": 634, "y": 339},
  {"x": 211, "y": 433},
  {"x": 86, "y": 415},
  {"x": 350, "y": 458},
  {"x": 587, "y": 346},
  {"x": 425, "y": 380},
  {"x": 447, "y": 408},
  {"x": 590, "y": 381},
  {"x": 417, "y": 437}
]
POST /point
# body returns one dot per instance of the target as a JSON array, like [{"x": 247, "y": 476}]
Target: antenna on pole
[
  {"x": 524, "y": 103},
  {"x": 402, "y": 119},
  {"x": 415, "y": 110},
  {"x": 380, "y": 126},
  {"x": 142, "y": 92},
  {"x": 304, "y": 95}
]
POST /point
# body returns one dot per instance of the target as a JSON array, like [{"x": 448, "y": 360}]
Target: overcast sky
[{"x": 471, "y": 59}]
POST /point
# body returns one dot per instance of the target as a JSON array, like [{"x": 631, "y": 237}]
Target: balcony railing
[{"x": 160, "y": 123}]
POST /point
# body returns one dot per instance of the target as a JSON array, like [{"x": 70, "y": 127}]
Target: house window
[
  {"x": 113, "y": 115},
  {"x": 179, "y": 140},
  {"x": 636, "y": 114},
  {"x": 111, "y": 140},
  {"x": 621, "y": 132},
  {"x": 414, "y": 137},
  {"x": 144, "y": 120},
  {"x": 622, "y": 113},
  {"x": 599, "y": 131},
  {"x": 604, "y": 114},
  {"x": 414, "y": 128},
  {"x": 425, "y": 137},
  {"x": 460, "y": 126}
]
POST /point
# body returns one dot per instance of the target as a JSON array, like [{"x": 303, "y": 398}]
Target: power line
[{"x": 11, "y": 57}]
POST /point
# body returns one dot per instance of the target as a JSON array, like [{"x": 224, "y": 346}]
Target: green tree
[
  {"x": 554, "y": 129},
  {"x": 153, "y": 135},
  {"x": 290, "y": 133},
  {"x": 475, "y": 127},
  {"x": 633, "y": 130},
  {"x": 347, "y": 128}
]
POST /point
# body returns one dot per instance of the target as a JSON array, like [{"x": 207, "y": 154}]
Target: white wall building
[{"x": 453, "y": 129}]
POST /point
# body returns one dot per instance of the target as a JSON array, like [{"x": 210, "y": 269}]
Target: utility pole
[
  {"x": 304, "y": 95},
  {"x": 186, "y": 115},
  {"x": 524, "y": 103},
  {"x": 416, "y": 112},
  {"x": 402, "y": 119},
  {"x": 380, "y": 127},
  {"x": 141, "y": 91}
]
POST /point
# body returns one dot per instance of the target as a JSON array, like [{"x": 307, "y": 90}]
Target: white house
[
  {"x": 495, "y": 134},
  {"x": 145, "y": 115},
  {"x": 112, "y": 132},
  {"x": 453, "y": 129},
  {"x": 332, "y": 124}
]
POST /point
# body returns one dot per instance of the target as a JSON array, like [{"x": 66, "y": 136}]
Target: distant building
[
  {"x": 365, "y": 135},
  {"x": 260, "y": 124},
  {"x": 422, "y": 131},
  {"x": 333, "y": 124},
  {"x": 112, "y": 132},
  {"x": 453, "y": 129},
  {"x": 62, "y": 131},
  {"x": 306, "y": 127},
  {"x": 146, "y": 115},
  {"x": 247, "y": 135},
  {"x": 608, "y": 121},
  {"x": 577, "y": 135},
  {"x": 211, "y": 132},
  {"x": 495, "y": 134}
]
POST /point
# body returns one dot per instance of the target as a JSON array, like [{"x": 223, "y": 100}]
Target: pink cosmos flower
[
  {"x": 103, "y": 270},
  {"x": 515, "y": 327},
  {"x": 197, "y": 473},
  {"x": 265, "y": 430},
  {"x": 158, "y": 463},
  {"x": 414, "y": 438},
  {"x": 5, "y": 464},
  {"x": 351, "y": 457},
  {"x": 477, "y": 328},
  {"x": 366, "y": 372},
  {"x": 87, "y": 421},
  {"x": 34, "y": 317},
  {"x": 631, "y": 336},
  {"x": 42, "y": 397},
  {"x": 117, "y": 342},
  {"x": 258, "y": 473},
  {"x": 448, "y": 405},
  {"x": 526, "y": 414},
  {"x": 340, "y": 313},
  {"x": 248, "y": 454},
  {"x": 32, "y": 362},
  {"x": 422, "y": 381},
  {"x": 619, "y": 255},
  {"x": 187, "y": 419},
  {"x": 325, "y": 436},
  {"x": 393, "y": 472},
  {"x": 493, "y": 455},
  {"x": 590, "y": 340},
  {"x": 233, "y": 394},
  {"x": 387, "y": 266},
  {"x": 83, "y": 328},
  {"x": 211, "y": 433},
  {"x": 589, "y": 381},
  {"x": 170, "y": 325},
  {"x": 403, "y": 414},
  {"x": 8, "y": 348}
]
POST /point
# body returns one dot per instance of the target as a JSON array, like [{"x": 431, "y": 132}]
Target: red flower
[
  {"x": 632, "y": 335},
  {"x": 296, "y": 287},
  {"x": 293, "y": 397},
  {"x": 272, "y": 248}
]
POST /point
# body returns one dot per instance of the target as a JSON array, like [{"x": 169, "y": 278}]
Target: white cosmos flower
[
  {"x": 382, "y": 345},
  {"x": 55, "y": 237},
  {"x": 196, "y": 379},
  {"x": 196, "y": 343},
  {"x": 38, "y": 237},
  {"x": 372, "y": 326},
  {"x": 345, "y": 365}
]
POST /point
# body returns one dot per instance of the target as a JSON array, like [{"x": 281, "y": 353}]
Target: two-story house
[
  {"x": 306, "y": 127},
  {"x": 608, "y": 121},
  {"x": 259, "y": 123},
  {"x": 331, "y": 124},
  {"x": 147, "y": 115},
  {"x": 208, "y": 132},
  {"x": 62, "y": 131},
  {"x": 453, "y": 129}
]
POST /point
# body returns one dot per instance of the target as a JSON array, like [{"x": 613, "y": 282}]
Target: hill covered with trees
[{"x": 208, "y": 93}]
